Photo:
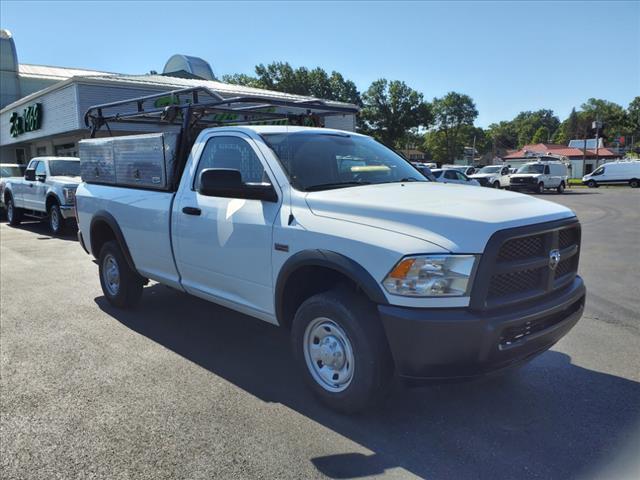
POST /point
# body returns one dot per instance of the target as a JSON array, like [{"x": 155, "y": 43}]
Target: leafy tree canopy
[{"x": 391, "y": 109}]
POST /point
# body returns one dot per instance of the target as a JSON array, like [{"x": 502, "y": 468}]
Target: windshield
[
  {"x": 537, "y": 168},
  {"x": 6, "y": 171},
  {"x": 64, "y": 168},
  {"x": 320, "y": 161},
  {"x": 490, "y": 169}
]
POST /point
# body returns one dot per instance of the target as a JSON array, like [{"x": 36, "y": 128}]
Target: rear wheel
[
  {"x": 14, "y": 214},
  {"x": 560, "y": 188},
  {"x": 540, "y": 188},
  {"x": 634, "y": 183},
  {"x": 342, "y": 351},
  {"x": 121, "y": 285},
  {"x": 56, "y": 220}
]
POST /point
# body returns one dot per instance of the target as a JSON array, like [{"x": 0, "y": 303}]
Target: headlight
[
  {"x": 69, "y": 195},
  {"x": 432, "y": 276}
]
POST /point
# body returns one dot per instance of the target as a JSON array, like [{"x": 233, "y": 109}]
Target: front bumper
[
  {"x": 459, "y": 342},
  {"x": 523, "y": 186},
  {"x": 68, "y": 211}
]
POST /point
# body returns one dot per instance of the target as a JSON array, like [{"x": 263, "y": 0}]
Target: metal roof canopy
[{"x": 192, "y": 113}]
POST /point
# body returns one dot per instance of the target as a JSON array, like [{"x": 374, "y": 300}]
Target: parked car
[
  {"x": 613, "y": 173},
  {"x": 466, "y": 169},
  {"x": 540, "y": 176},
  {"x": 334, "y": 237},
  {"x": 47, "y": 190},
  {"x": 425, "y": 170},
  {"x": 8, "y": 170},
  {"x": 496, "y": 176},
  {"x": 452, "y": 175}
]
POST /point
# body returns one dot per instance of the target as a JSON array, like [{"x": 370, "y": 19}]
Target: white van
[
  {"x": 539, "y": 176},
  {"x": 615, "y": 173}
]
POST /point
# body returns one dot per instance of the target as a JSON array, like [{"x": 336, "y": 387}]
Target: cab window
[
  {"x": 41, "y": 169},
  {"x": 462, "y": 176},
  {"x": 599, "y": 171},
  {"x": 546, "y": 170},
  {"x": 234, "y": 153},
  {"x": 450, "y": 175}
]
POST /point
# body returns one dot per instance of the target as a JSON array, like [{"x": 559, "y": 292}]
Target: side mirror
[
  {"x": 227, "y": 183},
  {"x": 30, "y": 174}
]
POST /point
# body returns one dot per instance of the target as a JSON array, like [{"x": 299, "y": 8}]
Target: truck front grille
[{"x": 520, "y": 264}]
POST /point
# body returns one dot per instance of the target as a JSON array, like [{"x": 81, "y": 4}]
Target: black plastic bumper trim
[{"x": 459, "y": 342}]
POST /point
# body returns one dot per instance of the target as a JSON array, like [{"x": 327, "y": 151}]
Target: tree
[
  {"x": 451, "y": 113},
  {"x": 282, "y": 77},
  {"x": 391, "y": 109},
  {"x": 613, "y": 116},
  {"x": 542, "y": 135}
]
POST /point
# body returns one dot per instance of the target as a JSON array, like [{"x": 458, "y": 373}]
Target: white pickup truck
[
  {"x": 47, "y": 190},
  {"x": 374, "y": 269},
  {"x": 495, "y": 176}
]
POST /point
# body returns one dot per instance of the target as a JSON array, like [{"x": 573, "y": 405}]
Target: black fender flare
[
  {"x": 332, "y": 260},
  {"x": 54, "y": 195},
  {"x": 106, "y": 217}
]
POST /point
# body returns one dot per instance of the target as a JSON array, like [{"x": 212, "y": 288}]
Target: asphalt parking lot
[{"x": 181, "y": 388}]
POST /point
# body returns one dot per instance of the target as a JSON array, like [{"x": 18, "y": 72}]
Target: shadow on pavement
[
  {"x": 41, "y": 229},
  {"x": 550, "y": 419}
]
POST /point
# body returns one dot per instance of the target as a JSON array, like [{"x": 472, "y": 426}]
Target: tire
[
  {"x": 496, "y": 184},
  {"x": 14, "y": 214},
  {"x": 634, "y": 183},
  {"x": 121, "y": 285},
  {"x": 560, "y": 188},
  {"x": 540, "y": 188},
  {"x": 592, "y": 184},
  {"x": 348, "y": 326},
  {"x": 56, "y": 221}
]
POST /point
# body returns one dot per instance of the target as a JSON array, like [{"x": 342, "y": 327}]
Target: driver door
[{"x": 223, "y": 246}]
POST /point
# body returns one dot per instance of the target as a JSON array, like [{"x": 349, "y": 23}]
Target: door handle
[
  {"x": 191, "y": 211},
  {"x": 31, "y": 185}
]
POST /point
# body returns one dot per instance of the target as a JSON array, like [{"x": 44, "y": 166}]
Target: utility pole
[
  {"x": 597, "y": 124},
  {"x": 473, "y": 150}
]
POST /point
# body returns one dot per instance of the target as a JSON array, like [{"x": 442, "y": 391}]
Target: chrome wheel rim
[
  {"x": 55, "y": 220},
  {"x": 10, "y": 210},
  {"x": 328, "y": 354},
  {"x": 111, "y": 275}
]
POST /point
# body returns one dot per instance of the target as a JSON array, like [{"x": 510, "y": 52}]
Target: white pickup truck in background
[
  {"x": 374, "y": 269},
  {"x": 495, "y": 176},
  {"x": 47, "y": 190}
]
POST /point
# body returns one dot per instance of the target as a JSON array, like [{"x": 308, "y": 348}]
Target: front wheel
[
  {"x": 342, "y": 351},
  {"x": 560, "y": 188},
  {"x": 121, "y": 285},
  {"x": 540, "y": 188},
  {"x": 496, "y": 184},
  {"x": 56, "y": 220},
  {"x": 14, "y": 214},
  {"x": 592, "y": 184},
  {"x": 634, "y": 183}
]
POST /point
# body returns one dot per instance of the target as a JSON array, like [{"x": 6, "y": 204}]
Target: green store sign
[{"x": 30, "y": 120}]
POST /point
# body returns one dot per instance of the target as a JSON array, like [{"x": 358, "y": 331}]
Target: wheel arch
[
  {"x": 104, "y": 227},
  {"x": 50, "y": 199},
  {"x": 326, "y": 269}
]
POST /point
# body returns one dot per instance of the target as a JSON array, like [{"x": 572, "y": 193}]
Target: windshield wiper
[{"x": 327, "y": 186}]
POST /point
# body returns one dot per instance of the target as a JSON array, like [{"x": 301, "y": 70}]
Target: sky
[{"x": 508, "y": 56}]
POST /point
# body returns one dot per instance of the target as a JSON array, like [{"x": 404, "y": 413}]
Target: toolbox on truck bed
[{"x": 143, "y": 161}]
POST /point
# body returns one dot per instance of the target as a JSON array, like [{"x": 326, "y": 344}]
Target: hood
[
  {"x": 483, "y": 175},
  {"x": 525, "y": 175},
  {"x": 455, "y": 217},
  {"x": 71, "y": 181}
]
